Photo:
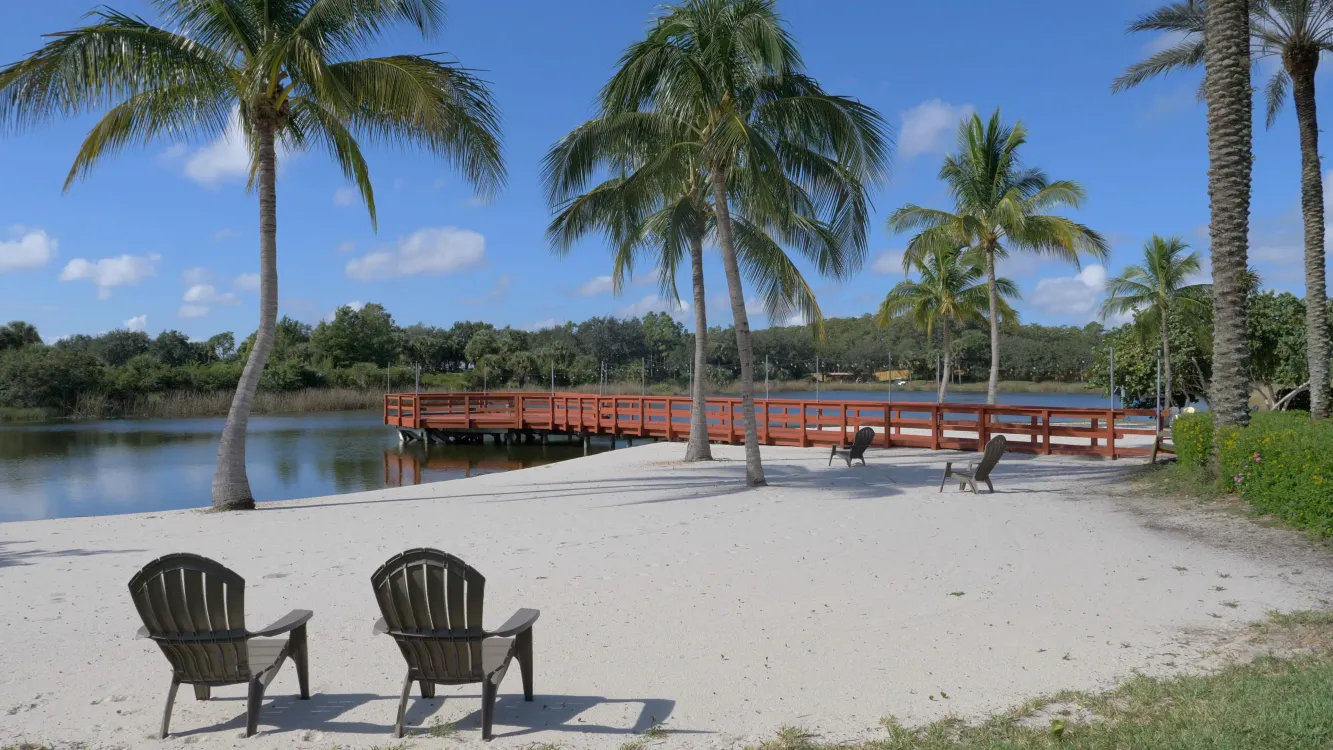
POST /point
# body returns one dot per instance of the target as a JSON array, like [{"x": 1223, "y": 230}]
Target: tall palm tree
[
  {"x": 951, "y": 291},
  {"x": 1151, "y": 290},
  {"x": 998, "y": 207},
  {"x": 1296, "y": 32},
  {"x": 283, "y": 71},
  {"x": 655, "y": 206},
  {"x": 1227, "y": 84},
  {"x": 654, "y": 210},
  {"x": 792, "y": 160}
]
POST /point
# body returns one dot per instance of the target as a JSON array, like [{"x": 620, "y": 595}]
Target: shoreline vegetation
[{"x": 187, "y": 404}]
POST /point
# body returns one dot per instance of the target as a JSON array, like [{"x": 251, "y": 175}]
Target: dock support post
[
  {"x": 585, "y": 444},
  {"x": 545, "y": 437}
]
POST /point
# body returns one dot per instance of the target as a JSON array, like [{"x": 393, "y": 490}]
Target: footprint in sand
[{"x": 110, "y": 699}]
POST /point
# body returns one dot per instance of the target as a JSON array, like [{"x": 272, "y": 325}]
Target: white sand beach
[{"x": 669, "y": 593}]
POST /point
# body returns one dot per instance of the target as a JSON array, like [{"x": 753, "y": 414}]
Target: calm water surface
[{"x": 129, "y": 466}]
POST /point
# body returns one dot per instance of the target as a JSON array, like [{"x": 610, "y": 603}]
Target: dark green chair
[
  {"x": 431, "y": 604},
  {"x": 977, "y": 471},
  {"x": 194, "y": 610},
  {"x": 864, "y": 437}
]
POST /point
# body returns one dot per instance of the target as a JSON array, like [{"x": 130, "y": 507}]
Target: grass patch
[
  {"x": 654, "y": 733},
  {"x": 1270, "y": 702},
  {"x": 1179, "y": 480},
  {"x": 442, "y": 730}
]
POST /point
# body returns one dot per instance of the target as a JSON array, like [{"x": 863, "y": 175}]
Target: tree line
[{"x": 366, "y": 349}]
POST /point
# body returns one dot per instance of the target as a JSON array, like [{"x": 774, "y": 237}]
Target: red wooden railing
[{"x": 800, "y": 422}]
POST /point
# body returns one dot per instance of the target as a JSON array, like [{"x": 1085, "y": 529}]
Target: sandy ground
[{"x": 669, "y": 593}]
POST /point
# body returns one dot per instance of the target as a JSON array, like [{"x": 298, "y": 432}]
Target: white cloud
[
  {"x": 192, "y": 276},
  {"x": 653, "y": 303},
  {"x": 1071, "y": 296},
  {"x": 344, "y": 248},
  {"x": 356, "y": 304},
  {"x": 137, "y": 323},
  {"x": 720, "y": 304},
  {"x": 124, "y": 270},
  {"x": 593, "y": 287},
  {"x": 226, "y": 158},
  {"x": 31, "y": 249},
  {"x": 927, "y": 126},
  {"x": 207, "y": 294},
  {"x": 344, "y": 196},
  {"x": 221, "y": 235},
  {"x": 889, "y": 262},
  {"x": 542, "y": 325},
  {"x": 436, "y": 250},
  {"x": 192, "y": 311},
  {"x": 247, "y": 282}
]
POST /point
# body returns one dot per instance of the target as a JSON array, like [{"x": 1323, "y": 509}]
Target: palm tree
[
  {"x": 280, "y": 70},
  {"x": 1152, "y": 290},
  {"x": 951, "y": 292},
  {"x": 1297, "y": 32},
  {"x": 655, "y": 205},
  {"x": 790, "y": 159},
  {"x": 998, "y": 207},
  {"x": 18, "y": 334},
  {"x": 1227, "y": 83}
]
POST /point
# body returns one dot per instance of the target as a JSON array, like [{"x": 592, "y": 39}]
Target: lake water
[{"x": 64, "y": 469}]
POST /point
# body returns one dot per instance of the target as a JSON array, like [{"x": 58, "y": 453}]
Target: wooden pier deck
[{"x": 1118, "y": 433}]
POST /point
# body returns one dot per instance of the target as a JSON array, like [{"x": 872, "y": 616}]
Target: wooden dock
[{"x": 1118, "y": 433}]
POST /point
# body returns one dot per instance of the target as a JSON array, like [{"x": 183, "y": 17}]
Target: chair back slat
[
  {"x": 194, "y": 609},
  {"x": 994, "y": 450},
  {"x": 432, "y": 604}
]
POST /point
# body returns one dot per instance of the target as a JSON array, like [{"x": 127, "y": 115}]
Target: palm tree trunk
[
  {"x": 698, "y": 448},
  {"x": 1227, "y": 82},
  {"x": 754, "y": 467},
  {"x": 1302, "y": 70},
  {"x": 993, "y": 385},
  {"x": 231, "y": 487},
  {"x": 948, "y": 354},
  {"x": 1166, "y": 359}
]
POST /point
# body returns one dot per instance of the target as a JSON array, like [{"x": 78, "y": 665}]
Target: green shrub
[
  {"x": 45, "y": 377},
  {"x": 1193, "y": 438},
  {"x": 1282, "y": 464}
]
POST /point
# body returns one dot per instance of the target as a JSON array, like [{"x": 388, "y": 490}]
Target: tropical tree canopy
[
  {"x": 1150, "y": 290},
  {"x": 951, "y": 289}
]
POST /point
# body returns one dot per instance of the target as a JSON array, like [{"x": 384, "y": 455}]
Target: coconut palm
[
  {"x": 1152, "y": 290},
  {"x": 1296, "y": 32},
  {"x": 269, "y": 72},
  {"x": 998, "y": 207},
  {"x": 654, "y": 211},
  {"x": 790, "y": 159},
  {"x": 951, "y": 291}
]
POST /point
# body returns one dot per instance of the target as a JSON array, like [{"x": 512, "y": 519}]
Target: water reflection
[{"x": 128, "y": 466}]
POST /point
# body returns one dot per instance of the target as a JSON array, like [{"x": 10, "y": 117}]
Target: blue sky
[{"x": 166, "y": 237}]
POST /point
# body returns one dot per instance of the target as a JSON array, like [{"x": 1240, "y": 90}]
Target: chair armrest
[
  {"x": 381, "y": 627},
  {"x": 520, "y": 621},
  {"x": 142, "y": 632},
  {"x": 290, "y": 621}
]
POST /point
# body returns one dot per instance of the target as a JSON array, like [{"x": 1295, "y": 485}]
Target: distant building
[
  {"x": 884, "y": 375},
  {"x": 836, "y": 377}
]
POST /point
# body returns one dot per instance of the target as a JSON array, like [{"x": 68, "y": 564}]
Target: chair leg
[
  {"x": 427, "y": 689},
  {"x": 831, "y": 455},
  {"x": 202, "y": 692},
  {"x": 973, "y": 484},
  {"x": 166, "y": 714},
  {"x": 402, "y": 705},
  {"x": 990, "y": 486},
  {"x": 300, "y": 652},
  {"x": 944, "y": 479},
  {"x": 488, "y": 691},
  {"x": 524, "y": 656},
  {"x": 252, "y": 705}
]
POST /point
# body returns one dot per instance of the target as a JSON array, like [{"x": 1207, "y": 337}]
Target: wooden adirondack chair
[
  {"x": 431, "y": 604},
  {"x": 864, "y": 437},
  {"x": 194, "y": 609},
  {"x": 977, "y": 471}
]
